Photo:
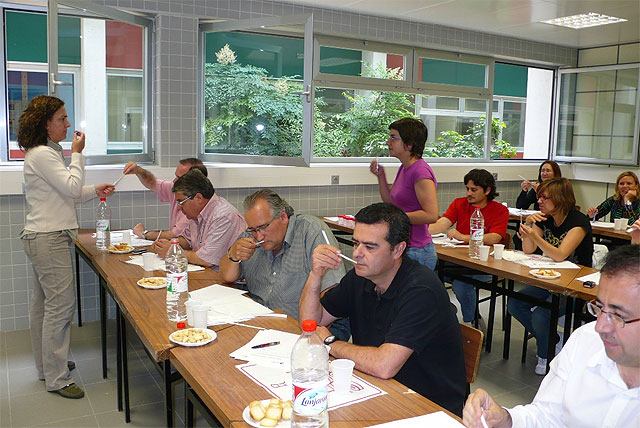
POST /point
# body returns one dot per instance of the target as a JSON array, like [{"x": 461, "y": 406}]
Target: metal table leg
[
  {"x": 168, "y": 396},
  {"x": 507, "y": 325},
  {"x": 103, "y": 324},
  {"x": 119, "y": 357},
  {"x": 553, "y": 328},
  {"x": 125, "y": 368},
  {"x": 78, "y": 294}
]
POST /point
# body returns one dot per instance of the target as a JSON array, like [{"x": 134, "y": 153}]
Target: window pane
[
  {"x": 124, "y": 131},
  {"x": 452, "y": 73},
  {"x": 250, "y": 101},
  {"x": 352, "y": 123},
  {"x": 362, "y": 63},
  {"x": 22, "y": 86},
  {"x": 597, "y": 114}
]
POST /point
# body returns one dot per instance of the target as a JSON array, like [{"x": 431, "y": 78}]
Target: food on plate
[
  {"x": 191, "y": 335},
  {"x": 276, "y": 410},
  {"x": 546, "y": 272},
  {"x": 152, "y": 281},
  {"x": 120, "y": 247}
]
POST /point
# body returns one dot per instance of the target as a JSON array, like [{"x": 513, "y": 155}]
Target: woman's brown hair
[
  {"x": 32, "y": 130},
  {"x": 560, "y": 192}
]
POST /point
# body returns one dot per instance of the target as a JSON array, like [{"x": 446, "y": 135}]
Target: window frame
[
  {"x": 307, "y": 95},
  {"x": 556, "y": 122}
]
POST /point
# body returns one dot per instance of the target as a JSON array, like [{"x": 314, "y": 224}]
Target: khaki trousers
[{"x": 52, "y": 305}]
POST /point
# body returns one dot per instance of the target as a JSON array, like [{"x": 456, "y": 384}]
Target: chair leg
[{"x": 524, "y": 345}]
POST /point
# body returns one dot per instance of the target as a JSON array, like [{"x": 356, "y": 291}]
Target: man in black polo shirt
[{"x": 402, "y": 322}]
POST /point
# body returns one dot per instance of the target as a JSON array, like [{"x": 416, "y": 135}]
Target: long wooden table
[
  {"x": 143, "y": 309},
  {"x": 226, "y": 391}
]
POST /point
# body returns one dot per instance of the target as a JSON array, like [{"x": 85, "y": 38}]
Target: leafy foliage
[{"x": 250, "y": 113}]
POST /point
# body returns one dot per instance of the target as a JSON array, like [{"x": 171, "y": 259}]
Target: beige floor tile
[
  {"x": 520, "y": 396},
  {"x": 5, "y": 413},
  {"x": 19, "y": 358},
  {"x": 4, "y": 384},
  {"x": 90, "y": 371},
  {"x": 18, "y": 339},
  {"x": 81, "y": 422},
  {"x": 149, "y": 415},
  {"x": 44, "y": 407},
  {"x": 142, "y": 390}
]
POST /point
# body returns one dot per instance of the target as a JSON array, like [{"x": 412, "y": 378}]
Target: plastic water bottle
[
  {"x": 310, "y": 373},
  {"x": 103, "y": 225},
  {"x": 178, "y": 282},
  {"x": 476, "y": 236}
]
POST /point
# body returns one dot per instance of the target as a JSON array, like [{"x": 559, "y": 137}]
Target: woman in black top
[{"x": 548, "y": 169}]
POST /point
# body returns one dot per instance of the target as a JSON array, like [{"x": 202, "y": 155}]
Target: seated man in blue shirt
[{"x": 402, "y": 323}]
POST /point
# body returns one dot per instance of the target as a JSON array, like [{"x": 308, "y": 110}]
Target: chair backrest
[
  {"x": 471, "y": 346},
  {"x": 506, "y": 241}
]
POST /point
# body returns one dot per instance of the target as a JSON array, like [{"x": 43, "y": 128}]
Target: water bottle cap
[
  {"x": 175, "y": 241},
  {"x": 309, "y": 325},
  {"x": 181, "y": 324},
  {"x": 102, "y": 198}
]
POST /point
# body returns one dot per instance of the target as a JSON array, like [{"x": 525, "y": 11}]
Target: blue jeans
[
  {"x": 424, "y": 255},
  {"x": 466, "y": 295},
  {"x": 536, "y": 321}
]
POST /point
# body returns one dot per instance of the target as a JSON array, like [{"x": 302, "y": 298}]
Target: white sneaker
[
  {"x": 482, "y": 325},
  {"x": 541, "y": 367}
]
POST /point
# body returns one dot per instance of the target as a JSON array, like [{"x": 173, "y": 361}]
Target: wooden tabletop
[
  {"x": 577, "y": 289},
  {"x": 144, "y": 309},
  {"x": 507, "y": 269},
  {"x": 226, "y": 391}
]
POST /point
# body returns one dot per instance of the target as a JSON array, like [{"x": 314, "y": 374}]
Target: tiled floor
[{"x": 24, "y": 401}]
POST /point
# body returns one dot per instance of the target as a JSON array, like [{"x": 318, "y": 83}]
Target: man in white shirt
[{"x": 595, "y": 380}]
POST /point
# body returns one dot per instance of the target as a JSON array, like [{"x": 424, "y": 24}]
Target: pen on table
[
  {"x": 265, "y": 345},
  {"x": 341, "y": 255}
]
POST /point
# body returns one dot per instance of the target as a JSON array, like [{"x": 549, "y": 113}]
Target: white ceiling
[{"x": 514, "y": 18}]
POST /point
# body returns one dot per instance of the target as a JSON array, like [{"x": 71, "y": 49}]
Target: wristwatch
[
  {"x": 144, "y": 234},
  {"x": 231, "y": 258},
  {"x": 329, "y": 340}
]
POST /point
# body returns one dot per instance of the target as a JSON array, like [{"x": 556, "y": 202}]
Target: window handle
[{"x": 306, "y": 93}]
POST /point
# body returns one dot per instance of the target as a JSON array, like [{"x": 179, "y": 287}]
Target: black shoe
[{"x": 72, "y": 391}]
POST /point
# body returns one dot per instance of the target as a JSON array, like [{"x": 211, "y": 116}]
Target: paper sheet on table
[
  {"x": 115, "y": 237},
  {"x": 437, "y": 419},
  {"x": 278, "y": 383},
  {"x": 446, "y": 242},
  {"x": 333, "y": 219},
  {"x": 214, "y": 293},
  {"x": 277, "y": 356},
  {"x": 523, "y": 213},
  {"x": 549, "y": 264},
  {"x": 235, "y": 309},
  {"x": 595, "y": 277},
  {"x": 158, "y": 263},
  {"x": 604, "y": 224},
  {"x": 514, "y": 256}
]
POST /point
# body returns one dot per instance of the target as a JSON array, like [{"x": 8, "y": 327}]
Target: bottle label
[
  {"x": 310, "y": 401},
  {"x": 477, "y": 234},
  {"x": 177, "y": 282},
  {"x": 102, "y": 225}
]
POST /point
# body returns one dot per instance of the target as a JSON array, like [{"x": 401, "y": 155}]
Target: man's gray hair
[{"x": 274, "y": 200}]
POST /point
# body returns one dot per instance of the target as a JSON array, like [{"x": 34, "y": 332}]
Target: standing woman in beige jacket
[{"x": 52, "y": 191}]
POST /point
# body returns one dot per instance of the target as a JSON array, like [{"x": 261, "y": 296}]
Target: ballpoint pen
[{"x": 265, "y": 345}]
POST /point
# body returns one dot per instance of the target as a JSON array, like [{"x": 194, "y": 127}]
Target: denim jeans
[
  {"x": 424, "y": 255},
  {"x": 466, "y": 295},
  {"x": 536, "y": 321}
]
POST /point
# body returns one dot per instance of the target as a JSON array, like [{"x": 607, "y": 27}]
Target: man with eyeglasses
[
  {"x": 177, "y": 220},
  {"x": 403, "y": 324},
  {"x": 275, "y": 256},
  {"x": 595, "y": 380},
  {"x": 214, "y": 224}
]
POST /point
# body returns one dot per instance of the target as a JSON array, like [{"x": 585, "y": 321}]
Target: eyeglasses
[
  {"x": 254, "y": 230},
  {"x": 543, "y": 198},
  {"x": 184, "y": 200},
  {"x": 612, "y": 317}
]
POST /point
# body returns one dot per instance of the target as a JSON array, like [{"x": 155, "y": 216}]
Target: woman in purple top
[{"x": 414, "y": 189}]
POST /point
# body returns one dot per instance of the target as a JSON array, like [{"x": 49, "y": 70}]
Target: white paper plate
[
  {"x": 212, "y": 335},
  {"x": 122, "y": 252},
  {"x": 533, "y": 273},
  {"x": 246, "y": 415},
  {"x": 153, "y": 287}
]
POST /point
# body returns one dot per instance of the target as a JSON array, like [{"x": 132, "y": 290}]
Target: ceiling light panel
[{"x": 584, "y": 20}]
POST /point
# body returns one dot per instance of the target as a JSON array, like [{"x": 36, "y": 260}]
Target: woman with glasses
[
  {"x": 548, "y": 170},
  {"x": 625, "y": 202},
  {"x": 562, "y": 233},
  {"x": 414, "y": 188}
]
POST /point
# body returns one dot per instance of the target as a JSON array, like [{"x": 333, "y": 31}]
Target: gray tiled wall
[{"x": 129, "y": 208}]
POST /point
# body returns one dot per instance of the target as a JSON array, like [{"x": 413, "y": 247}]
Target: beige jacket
[{"x": 52, "y": 190}]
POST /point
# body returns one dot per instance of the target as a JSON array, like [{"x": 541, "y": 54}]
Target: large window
[
  {"x": 473, "y": 107},
  {"x": 100, "y": 72},
  {"x": 598, "y": 115}
]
